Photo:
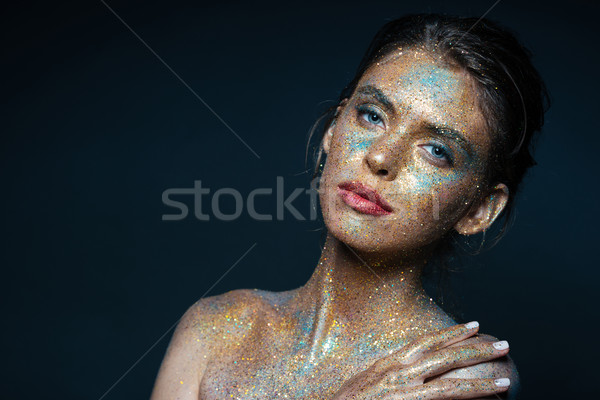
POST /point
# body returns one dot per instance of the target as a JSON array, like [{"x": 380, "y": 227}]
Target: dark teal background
[{"x": 95, "y": 128}]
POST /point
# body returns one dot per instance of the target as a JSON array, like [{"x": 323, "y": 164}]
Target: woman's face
[{"x": 405, "y": 155}]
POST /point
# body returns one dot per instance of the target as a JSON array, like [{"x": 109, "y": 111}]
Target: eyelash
[
  {"x": 366, "y": 111},
  {"x": 445, "y": 153}
]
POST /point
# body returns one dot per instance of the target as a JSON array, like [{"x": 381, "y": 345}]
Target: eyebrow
[
  {"x": 372, "y": 91},
  {"x": 439, "y": 130}
]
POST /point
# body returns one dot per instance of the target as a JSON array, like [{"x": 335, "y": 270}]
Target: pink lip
[{"x": 363, "y": 199}]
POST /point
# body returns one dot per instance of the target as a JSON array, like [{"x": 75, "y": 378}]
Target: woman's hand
[{"x": 402, "y": 374}]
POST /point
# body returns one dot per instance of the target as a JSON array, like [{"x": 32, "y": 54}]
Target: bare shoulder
[
  {"x": 500, "y": 368},
  {"x": 214, "y": 321},
  {"x": 204, "y": 329}
]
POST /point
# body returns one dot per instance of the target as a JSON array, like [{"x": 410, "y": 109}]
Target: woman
[{"x": 429, "y": 141}]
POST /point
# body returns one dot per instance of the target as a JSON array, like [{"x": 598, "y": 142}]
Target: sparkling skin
[
  {"x": 305, "y": 343},
  {"x": 417, "y": 182}
]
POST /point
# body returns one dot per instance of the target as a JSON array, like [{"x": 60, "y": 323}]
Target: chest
[
  {"x": 298, "y": 360},
  {"x": 288, "y": 369}
]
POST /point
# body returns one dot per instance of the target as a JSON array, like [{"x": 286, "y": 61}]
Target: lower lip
[{"x": 361, "y": 204}]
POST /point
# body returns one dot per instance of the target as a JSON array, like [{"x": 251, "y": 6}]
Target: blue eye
[
  {"x": 439, "y": 152},
  {"x": 371, "y": 116}
]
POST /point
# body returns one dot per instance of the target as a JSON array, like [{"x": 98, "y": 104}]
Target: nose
[{"x": 383, "y": 158}]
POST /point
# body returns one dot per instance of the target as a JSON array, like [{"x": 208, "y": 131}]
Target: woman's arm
[{"x": 184, "y": 363}]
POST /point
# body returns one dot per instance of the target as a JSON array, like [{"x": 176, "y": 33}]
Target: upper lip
[{"x": 366, "y": 192}]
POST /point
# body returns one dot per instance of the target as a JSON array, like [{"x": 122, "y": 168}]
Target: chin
[
  {"x": 367, "y": 239},
  {"x": 373, "y": 235}
]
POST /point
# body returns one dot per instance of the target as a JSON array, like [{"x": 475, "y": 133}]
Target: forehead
[{"x": 422, "y": 86}]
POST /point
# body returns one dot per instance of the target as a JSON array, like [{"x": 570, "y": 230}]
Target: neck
[
  {"x": 347, "y": 286},
  {"x": 363, "y": 299}
]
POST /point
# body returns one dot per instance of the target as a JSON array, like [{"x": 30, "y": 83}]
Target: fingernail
[
  {"x": 472, "y": 325},
  {"x": 501, "y": 345},
  {"x": 502, "y": 382}
]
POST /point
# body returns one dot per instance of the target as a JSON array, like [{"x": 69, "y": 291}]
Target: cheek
[
  {"x": 357, "y": 141},
  {"x": 350, "y": 138},
  {"x": 434, "y": 200},
  {"x": 346, "y": 152}
]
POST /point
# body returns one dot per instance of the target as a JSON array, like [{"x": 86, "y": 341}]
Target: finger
[
  {"x": 438, "y": 340},
  {"x": 431, "y": 342},
  {"x": 443, "y": 389},
  {"x": 466, "y": 388},
  {"x": 454, "y": 357}
]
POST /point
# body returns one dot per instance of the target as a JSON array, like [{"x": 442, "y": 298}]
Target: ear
[
  {"x": 327, "y": 138},
  {"x": 482, "y": 214},
  {"x": 329, "y": 134}
]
